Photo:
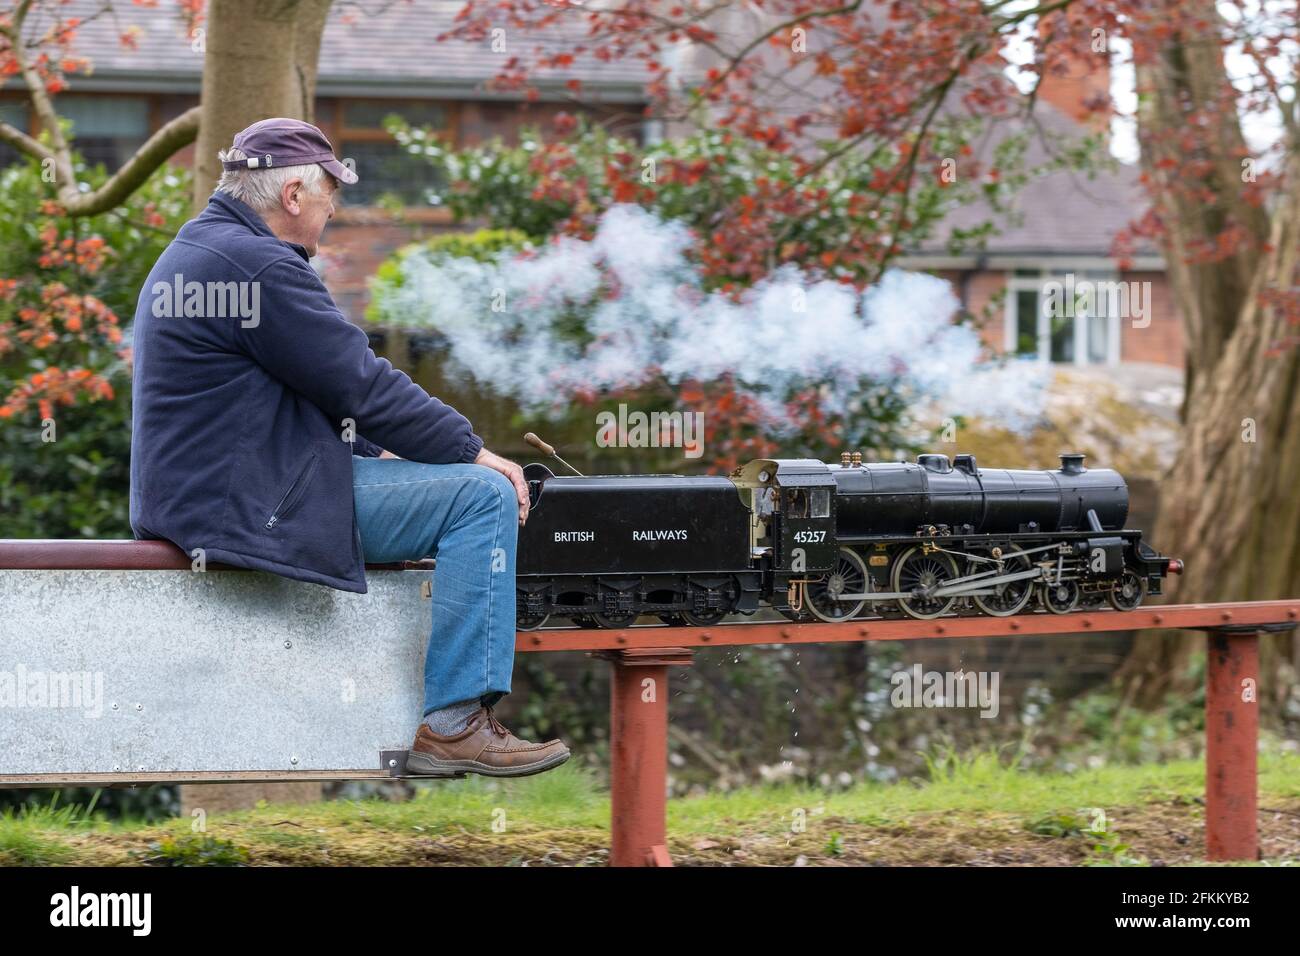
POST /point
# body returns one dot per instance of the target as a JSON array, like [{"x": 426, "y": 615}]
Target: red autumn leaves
[{"x": 40, "y": 314}]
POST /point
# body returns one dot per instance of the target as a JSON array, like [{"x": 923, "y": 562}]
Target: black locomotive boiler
[{"x": 831, "y": 542}]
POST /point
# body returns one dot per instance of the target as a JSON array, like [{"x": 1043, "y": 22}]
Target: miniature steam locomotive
[{"x": 830, "y": 542}]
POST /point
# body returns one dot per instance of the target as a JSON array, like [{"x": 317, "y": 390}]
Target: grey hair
[{"x": 260, "y": 188}]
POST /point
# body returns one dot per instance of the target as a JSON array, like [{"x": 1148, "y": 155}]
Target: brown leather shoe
[{"x": 484, "y": 747}]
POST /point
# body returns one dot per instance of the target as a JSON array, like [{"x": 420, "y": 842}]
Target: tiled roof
[
  {"x": 393, "y": 47},
  {"x": 1060, "y": 213}
]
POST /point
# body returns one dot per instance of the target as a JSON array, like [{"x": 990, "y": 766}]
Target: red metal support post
[
  {"x": 1231, "y": 745},
  {"x": 638, "y": 745}
]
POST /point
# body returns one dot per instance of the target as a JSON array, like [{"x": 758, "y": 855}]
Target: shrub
[{"x": 67, "y": 290}]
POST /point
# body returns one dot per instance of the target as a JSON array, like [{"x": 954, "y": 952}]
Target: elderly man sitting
[{"x": 251, "y": 395}]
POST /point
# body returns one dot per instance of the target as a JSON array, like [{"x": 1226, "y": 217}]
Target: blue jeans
[{"x": 467, "y": 516}]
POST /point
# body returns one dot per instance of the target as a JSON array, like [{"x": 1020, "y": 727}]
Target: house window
[
  {"x": 1049, "y": 317},
  {"x": 106, "y": 129},
  {"x": 15, "y": 113},
  {"x": 384, "y": 169}
]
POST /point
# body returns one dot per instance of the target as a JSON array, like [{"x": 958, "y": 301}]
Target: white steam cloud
[{"x": 641, "y": 301}]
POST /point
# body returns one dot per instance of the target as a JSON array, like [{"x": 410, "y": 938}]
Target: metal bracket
[{"x": 393, "y": 762}]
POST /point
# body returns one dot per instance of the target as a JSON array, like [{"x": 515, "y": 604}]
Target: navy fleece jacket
[{"x": 250, "y": 395}]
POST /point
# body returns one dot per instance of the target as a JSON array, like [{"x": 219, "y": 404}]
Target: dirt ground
[{"x": 1159, "y": 834}]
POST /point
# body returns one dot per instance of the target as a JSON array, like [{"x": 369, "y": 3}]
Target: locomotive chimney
[{"x": 1072, "y": 464}]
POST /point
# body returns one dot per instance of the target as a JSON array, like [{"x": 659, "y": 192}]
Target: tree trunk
[
  {"x": 1229, "y": 507},
  {"x": 260, "y": 61},
  {"x": 1189, "y": 83}
]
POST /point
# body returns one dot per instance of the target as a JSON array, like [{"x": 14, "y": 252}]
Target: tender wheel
[
  {"x": 530, "y": 622},
  {"x": 615, "y": 620},
  {"x": 705, "y": 619},
  {"x": 1061, "y": 598},
  {"x": 849, "y": 576},
  {"x": 1127, "y": 593},
  {"x": 916, "y": 571},
  {"x": 1010, "y": 597}
]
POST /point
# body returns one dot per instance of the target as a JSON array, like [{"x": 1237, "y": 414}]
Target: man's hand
[{"x": 511, "y": 471}]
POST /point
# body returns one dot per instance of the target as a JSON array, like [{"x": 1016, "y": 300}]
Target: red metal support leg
[
  {"x": 638, "y": 749},
  {"x": 1231, "y": 742}
]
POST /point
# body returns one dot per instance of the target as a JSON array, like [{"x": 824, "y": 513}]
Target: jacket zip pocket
[{"x": 298, "y": 483}]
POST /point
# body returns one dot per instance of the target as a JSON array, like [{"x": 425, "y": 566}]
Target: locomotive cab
[{"x": 792, "y": 504}]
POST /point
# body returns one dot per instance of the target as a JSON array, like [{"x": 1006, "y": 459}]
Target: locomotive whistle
[{"x": 546, "y": 449}]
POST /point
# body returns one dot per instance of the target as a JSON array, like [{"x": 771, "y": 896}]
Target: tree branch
[
  {"x": 174, "y": 135},
  {"x": 39, "y": 95},
  {"x": 171, "y": 137},
  {"x": 24, "y": 143}
]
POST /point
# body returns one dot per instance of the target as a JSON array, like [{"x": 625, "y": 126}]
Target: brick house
[
  {"x": 391, "y": 63},
  {"x": 1058, "y": 237}
]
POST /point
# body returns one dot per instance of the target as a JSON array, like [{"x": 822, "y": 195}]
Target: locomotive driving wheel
[
  {"x": 849, "y": 576},
  {"x": 1009, "y": 597},
  {"x": 1127, "y": 593},
  {"x": 920, "y": 575}
]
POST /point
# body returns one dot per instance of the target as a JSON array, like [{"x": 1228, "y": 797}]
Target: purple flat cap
[{"x": 280, "y": 141}]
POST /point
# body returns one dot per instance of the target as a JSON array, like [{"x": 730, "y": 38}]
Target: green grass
[
  {"x": 563, "y": 816},
  {"x": 30, "y": 836}
]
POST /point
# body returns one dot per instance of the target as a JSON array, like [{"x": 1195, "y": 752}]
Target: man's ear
[{"x": 291, "y": 197}]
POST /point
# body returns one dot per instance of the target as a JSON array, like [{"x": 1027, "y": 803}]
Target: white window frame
[{"x": 1016, "y": 284}]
